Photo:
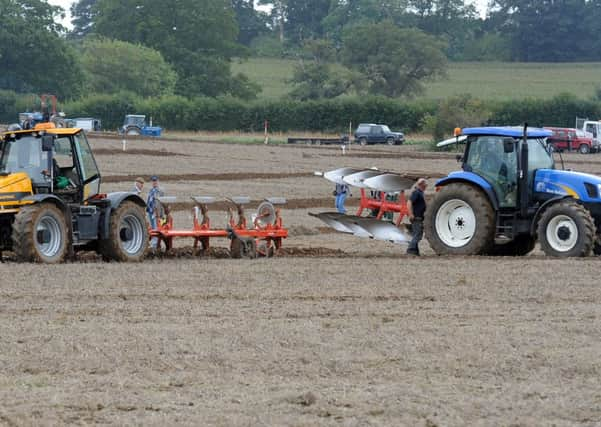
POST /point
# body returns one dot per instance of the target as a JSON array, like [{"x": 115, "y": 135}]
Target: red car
[{"x": 568, "y": 139}]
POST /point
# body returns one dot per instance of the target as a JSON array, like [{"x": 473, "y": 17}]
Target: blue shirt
[{"x": 152, "y": 199}]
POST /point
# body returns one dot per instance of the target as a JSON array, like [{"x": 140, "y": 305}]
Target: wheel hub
[
  {"x": 455, "y": 223},
  {"x": 562, "y": 233}
]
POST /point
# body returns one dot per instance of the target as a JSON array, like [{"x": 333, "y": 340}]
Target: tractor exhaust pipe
[{"x": 523, "y": 179}]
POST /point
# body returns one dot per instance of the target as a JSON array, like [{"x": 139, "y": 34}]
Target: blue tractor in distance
[
  {"x": 509, "y": 195},
  {"x": 135, "y": 125}
]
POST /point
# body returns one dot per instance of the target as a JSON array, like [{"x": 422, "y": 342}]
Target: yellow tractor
[{"x": 51, "y": 205}]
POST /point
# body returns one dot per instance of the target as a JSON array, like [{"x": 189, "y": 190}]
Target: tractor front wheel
[
  {"x": 128, "y": 234},
  {"x": 40, "y": 234},
  {"x": 460, "y": 221},
  {"x": 566, "y": 229}
]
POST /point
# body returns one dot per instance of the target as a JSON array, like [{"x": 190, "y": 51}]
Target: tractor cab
[
  {"x": 55, "y": 161},
  {"x": 495, "y": 158}
]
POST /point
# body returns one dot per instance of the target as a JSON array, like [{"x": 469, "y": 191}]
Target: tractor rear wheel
[
  {"x": 566, "y": 229},
  {"x": 128, "y": 234},
  {"x": 522, "y": 245},
  {"x": 40, "y": 234},
  {"x": 460, "y": 221}
]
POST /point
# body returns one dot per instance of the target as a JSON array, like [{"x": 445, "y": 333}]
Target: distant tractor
[
  {"x": 509, "y": 196},
  {"x": 135, "y": 124},
  {"x": 51, "y": 204}
]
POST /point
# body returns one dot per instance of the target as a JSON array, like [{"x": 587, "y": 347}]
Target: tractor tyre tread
[
  {"x": 110, "y": 249},
  {"x": 23, "y": 234},
  {"x": 581, "y": 215},
  {"x": 483, "y": 238}
]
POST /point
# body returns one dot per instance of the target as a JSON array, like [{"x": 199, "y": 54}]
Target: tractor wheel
[
  {"x": 363, "y": 142},
  {"x": 460, "y": 221},
  {"x": 566, "y": 229},
  {"x": 128, "y": 234},
  {"x": 133, "y": 131},
  {"x": 40, "y": 234},
  {"x": 522, "y": 245},
  {"x": 584, "y": 149},
  {"x": 390, "y": 141}
]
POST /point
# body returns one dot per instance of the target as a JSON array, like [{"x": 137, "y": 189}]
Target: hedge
[{"x": 230, "y": 114}]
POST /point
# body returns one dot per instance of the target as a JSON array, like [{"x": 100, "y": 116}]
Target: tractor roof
[
  {"x": 512, "y": 131},
  {"x": 55, "y": 131}
]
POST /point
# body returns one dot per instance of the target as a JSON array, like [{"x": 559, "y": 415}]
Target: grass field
[{"x": 497, "y": 80}]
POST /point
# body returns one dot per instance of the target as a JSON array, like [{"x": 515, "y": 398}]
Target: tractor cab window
[
  {"x": 538, "y": 156},
  {"x": 486, "y": 157},
  {"x": 62, "y": 153},
  {"x": 89, "y": 171},
  {"x": 25, "y": 154}
]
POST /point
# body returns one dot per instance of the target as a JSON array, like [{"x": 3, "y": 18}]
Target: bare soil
[{"x": 334, "y": 330}]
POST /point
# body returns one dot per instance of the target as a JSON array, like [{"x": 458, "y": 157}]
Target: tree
[
  {"x": 114, "y": 66},
  {"x": 394, "y": 61},
  {"x": 251, "y": 23},
  {"x": 545, "y": 30},
  {"x": 278, "y": 14},
  {"x": 314, "y": 79},
  {"x": 198, "y": 37},
  {"x": 83, "y": 13},
  {"x": 304, "y": 19},
  {"x": 33, "y": 55}
]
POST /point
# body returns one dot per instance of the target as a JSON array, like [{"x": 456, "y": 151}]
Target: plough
[
  {"x": 381, "y": 184},
  {"x": 262, "y": 239}
]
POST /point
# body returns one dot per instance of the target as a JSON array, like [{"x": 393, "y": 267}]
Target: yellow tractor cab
[{"x": 51, "y": 204}]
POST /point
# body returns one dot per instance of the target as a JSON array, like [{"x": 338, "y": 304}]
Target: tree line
[{"x": 185, "y": 47}]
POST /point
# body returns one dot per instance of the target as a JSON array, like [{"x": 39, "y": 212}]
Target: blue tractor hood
[{"x": 582, "y": 186}]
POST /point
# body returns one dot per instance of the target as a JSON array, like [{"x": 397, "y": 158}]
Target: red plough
[{"x": 263, "y": 239}]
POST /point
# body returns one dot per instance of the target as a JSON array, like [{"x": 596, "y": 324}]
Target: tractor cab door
[
  {"x": 487, "y": 158},
  {"x": 88, "y": 170}
]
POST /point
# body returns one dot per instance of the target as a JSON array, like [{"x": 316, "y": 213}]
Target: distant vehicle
[
  {"x": 49, "y": 114},
  {"x": 369, "y": 133},
  {"x": 568, "y": 139},
  {"x": 86, "y": 123},
  {"x": 135, "y": 124},
  {"x": 593, "y": 127}
]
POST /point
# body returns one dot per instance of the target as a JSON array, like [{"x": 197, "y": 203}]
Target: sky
[{"x": 66, "y": 4}]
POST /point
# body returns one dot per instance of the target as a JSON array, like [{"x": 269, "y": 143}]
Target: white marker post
[{"x": 124, "y": 142}]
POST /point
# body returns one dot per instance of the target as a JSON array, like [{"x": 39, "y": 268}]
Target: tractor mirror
[
  {"x": 47, "y": 142},
  {"x": 508, "y": 145}
]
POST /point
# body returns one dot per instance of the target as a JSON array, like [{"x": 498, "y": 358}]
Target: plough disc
[
  {"x": 337, "y": 175},
  {"x": 358, "y": 179},
  {"x": 389, "y": 183}
]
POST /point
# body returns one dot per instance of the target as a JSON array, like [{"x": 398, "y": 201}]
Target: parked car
[
  {"x": 568, "y": 139},
  {"x": 369, "y": 133}
]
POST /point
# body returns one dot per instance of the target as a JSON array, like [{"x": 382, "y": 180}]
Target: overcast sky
[{"x": 66, "y": 4}]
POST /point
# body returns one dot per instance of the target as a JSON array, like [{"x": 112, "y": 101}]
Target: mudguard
[
  {"x": 471, "y": 178},
  {"x": 119, "y": 197},
  {"x": 39, "y": 198}
]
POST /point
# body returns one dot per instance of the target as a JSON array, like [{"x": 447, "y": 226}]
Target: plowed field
[{"x": 334, "y": 330}]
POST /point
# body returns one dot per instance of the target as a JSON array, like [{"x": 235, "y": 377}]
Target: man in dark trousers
[{"x": 417, "y": 208}]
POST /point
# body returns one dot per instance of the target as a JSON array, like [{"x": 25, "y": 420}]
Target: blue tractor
[{"x": 509, "y": 195}]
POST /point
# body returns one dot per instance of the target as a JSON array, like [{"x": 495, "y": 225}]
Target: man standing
[
  {"x": 341, "y": 192},
  {"x": 417, "y": 208},
  {"x": 152, "y": 208},
  {"x": 138, "y": 186}
]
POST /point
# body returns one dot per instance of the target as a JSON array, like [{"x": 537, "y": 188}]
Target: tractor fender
[
  {"x": 542, "y": 208},
  {"x": 474, "y": 180},
  {"x": 115, "y": 200},
  {"x": 49, "y": 198}
]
